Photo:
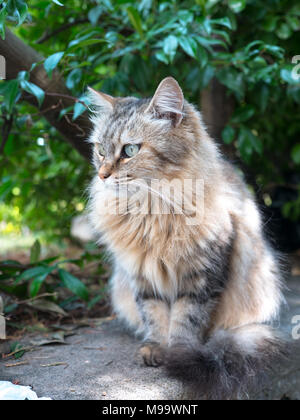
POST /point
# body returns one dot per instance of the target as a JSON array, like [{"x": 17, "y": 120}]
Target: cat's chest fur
[
  {"x": 161, "y": 252},
  {"x": 148, "y": 248},
  {"x": 157, "y": 252}
]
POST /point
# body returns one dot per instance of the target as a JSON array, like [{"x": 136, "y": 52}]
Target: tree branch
[
  {"x": 47, "y": 35},
  {"x": 20, "y": 56}
]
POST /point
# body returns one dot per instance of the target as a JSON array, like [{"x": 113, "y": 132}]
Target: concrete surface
[{"x": 101, "y": 362}]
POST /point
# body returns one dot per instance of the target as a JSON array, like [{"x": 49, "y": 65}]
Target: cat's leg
[
  {"x": 124, "y": 302},
  {"x": 156, "y": 314},
  {"x": 145, "y": 315},
  {"x": 199, "y": 291},
  {"x": 190, "y": 319}
]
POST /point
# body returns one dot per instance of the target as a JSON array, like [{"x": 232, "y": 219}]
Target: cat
[{"x": 199, "y": 286}]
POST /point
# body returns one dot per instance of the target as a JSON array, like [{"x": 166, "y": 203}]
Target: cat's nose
[{"x": 105, "y": 172}]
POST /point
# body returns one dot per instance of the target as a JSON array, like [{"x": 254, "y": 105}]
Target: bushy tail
[{"x": 229, "y": 364}]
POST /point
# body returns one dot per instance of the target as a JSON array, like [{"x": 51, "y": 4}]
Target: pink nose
[{"x": 104, "y": 172}]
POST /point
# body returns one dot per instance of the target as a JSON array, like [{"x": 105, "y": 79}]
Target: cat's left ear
[
  {"x": 167, "y": 102},
  {"x": 101, "y": 99}
]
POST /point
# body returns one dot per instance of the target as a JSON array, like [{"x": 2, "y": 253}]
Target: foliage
[
  {"x": 126, "y": 47},
  {"x": 49, "y": 277}
]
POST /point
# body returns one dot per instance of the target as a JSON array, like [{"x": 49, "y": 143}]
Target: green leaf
[
  {"x": 21, "y": 10},
  {"x": 18, "y": 9},
  {"x": 33, "y": 90},
  {"x": 10, "y": 146},
  {"x": 35, "y": 251},
  {"x": 294, "y": 92},
  {"x": 76, "y": 43},
  {"x": 10, "y": 91},
  {"x": 23, "y": 75},
  {"x": 256, "y": 143},
  {"x": 8, "y": 262},
  {"x": 17, "y": 346},
  {"x": 170, "y": 45},
  {"x": 287, "y": 74},
  {"x": 284, "y": 31},
  {"x": 74, "y": 284},
  {"x": 210, "y": 42},
  {"x": 95, "y": 300},
  {"x": 189, "y": 46},
  {"x": 211, "y": 3},
  {"x": 202, "y": 56},
  {"x": 248, "y": 142},
  {"x": 57, "y": 2},
  {"x": 263, "y": 97},
  {"x": 135, "y": 20},
  {"x": 228, "y": 134},
  {"x": 5, "y": 189},
  {"x": 35, "y": 272},
  {"x": 225, "y": 21},
  {"x": 52, "y": 61},
  {"x": 257, "y": 43},
  {"x": 237, "y": 5},
  {"x": 270, "y": 22},
  {"x": 3, "y": 15},
  {"x": 49, "y": 260},
  {"x": 73, "y": 78},
  {"x": 94, "y": 14},
  {"x": 295, "y": 154},
  {"x": 36, "y": 284},
  {"x": 10, "y": 308},
  {"x": 295, "y": 10},
  {"x": 233, "y": 79},
  {"x": 205, "y": 76},
  {"x": 161, "y": 56},
  {"x": 274, "y": 50},
  {"x": 185, "y": 16},
  {"x": 79, "y": 108},
  {"x": 293, "y": 22},
  {"x": 223, "y": 34},
  {"x": 265, "y": 74},
  {"x": 243, "y": 114},
  {"x": 257, "y": 62}
]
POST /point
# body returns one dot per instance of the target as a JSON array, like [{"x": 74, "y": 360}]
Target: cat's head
[{"x": 144, "y": 138}]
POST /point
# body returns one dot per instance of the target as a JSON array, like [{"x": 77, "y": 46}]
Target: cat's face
[{"x": 140, "y": 138}]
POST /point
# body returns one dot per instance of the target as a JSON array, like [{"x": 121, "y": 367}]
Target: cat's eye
[
  {"x": 130, "y": 150},
  {"x": 101, "y": 150}
]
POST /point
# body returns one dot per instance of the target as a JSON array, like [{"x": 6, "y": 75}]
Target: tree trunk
[
  {"x": 18, "y": 57},
  {"x": 217, "y": 108}
]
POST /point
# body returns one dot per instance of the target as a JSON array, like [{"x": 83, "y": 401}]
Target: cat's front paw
[{"x": 153, "y": 354}]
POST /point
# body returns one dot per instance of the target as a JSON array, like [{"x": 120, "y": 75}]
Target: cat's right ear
[
  {"x": 167, "y": 102},
  {"x": 101, "y": 99}
]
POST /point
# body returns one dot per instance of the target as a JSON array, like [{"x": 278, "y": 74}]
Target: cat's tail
[{"x": 229, "y": 364}]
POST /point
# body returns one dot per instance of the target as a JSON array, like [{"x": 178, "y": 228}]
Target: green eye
[
  {"x": 131, "y": 150},
  {"x": 101, "y": 150}
]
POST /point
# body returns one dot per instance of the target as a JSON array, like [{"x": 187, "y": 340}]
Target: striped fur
[{"x": 198, "y": 293}]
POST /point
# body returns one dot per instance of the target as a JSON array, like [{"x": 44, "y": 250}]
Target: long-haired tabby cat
[{"x": 201, "y": 292}]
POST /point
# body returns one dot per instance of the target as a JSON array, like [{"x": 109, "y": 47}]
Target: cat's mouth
[
  {"x": 120, "y": 185},
  {"x": 118, "y": 182}
]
